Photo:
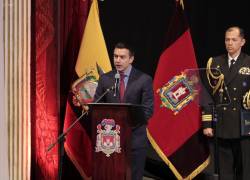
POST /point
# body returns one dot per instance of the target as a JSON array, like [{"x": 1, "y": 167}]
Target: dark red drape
[
  {"x": 57, "y": 28},
  {"x": 44, "y": 87}
]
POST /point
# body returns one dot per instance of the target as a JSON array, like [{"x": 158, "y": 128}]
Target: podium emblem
[{"x": 108, "y": 138}]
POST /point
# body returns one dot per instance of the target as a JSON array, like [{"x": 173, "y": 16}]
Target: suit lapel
[{"x": 223, "y": 67}]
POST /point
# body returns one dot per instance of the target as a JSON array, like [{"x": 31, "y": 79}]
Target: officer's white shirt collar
[{"x": 230, "y": 58}]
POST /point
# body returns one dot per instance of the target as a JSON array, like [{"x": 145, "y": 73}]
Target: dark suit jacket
[
  {"x": 139, "y": 91},
  {"x": 237, "y": 83}
]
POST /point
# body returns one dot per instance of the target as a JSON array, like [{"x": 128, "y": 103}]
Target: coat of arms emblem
[
  {"x": 108, "y": 139},
  {"x": 179, "y": 92}
]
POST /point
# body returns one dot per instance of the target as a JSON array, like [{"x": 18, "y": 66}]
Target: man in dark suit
[
  {"x": 233, "y": 148},
  {"x": 135, "y": 87}
]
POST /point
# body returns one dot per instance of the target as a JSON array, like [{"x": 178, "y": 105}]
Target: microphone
[{"x": 117, "y": 78}]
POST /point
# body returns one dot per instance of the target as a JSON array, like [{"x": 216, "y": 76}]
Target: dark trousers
[
  {"x": 234, "y": 159},
  {"x": 138, "y": 163},
  {"x": 245, "y": 144}
]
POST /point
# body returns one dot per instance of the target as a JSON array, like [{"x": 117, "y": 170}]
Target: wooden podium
[{"x": 111, "y": 130}]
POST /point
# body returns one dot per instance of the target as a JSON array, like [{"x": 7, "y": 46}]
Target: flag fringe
[
  {"x": 73, "y": 159},
  {"x": 171, "y": 166}
]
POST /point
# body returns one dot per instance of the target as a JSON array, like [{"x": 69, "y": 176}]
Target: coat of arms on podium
[{"x": 108, "y": 139}]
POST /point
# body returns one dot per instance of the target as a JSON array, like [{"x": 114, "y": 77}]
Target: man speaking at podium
[{"x": 129, "y": 86}]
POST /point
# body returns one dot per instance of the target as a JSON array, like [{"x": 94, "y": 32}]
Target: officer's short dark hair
[{"x": 242, "y": 33}]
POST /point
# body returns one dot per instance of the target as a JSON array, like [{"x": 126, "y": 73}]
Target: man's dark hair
[
  {"x": 123, "y": 45},
  {"x": 242, "y": 33}
]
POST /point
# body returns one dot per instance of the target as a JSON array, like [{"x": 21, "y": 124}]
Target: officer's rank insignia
[
  {"x": 108, "y": 139},
  {"x": 177, "y": 93},
  {"x": 244, "y": 71}
]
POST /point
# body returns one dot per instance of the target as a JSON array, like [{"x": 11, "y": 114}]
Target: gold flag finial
[{"x": 181, "y": 3}]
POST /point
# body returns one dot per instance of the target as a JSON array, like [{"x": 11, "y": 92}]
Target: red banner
[{"x": 174, "y": 128}]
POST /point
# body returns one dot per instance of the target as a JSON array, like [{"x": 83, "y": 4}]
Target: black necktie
[{"x": 232, "y": 62}]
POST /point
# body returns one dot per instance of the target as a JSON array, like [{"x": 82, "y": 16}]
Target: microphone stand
[
  {"x": 216, "y": 152},
  {"x": 215, "y": 118},
  {"x": 61, "y": 138},
  {"x": 117, "y": 77},
  {"x": 115, "y": 87},
  {"x": 215, "y": 127}
]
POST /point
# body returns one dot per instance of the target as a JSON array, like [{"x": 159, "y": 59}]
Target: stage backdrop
[{"x": 56, "y": 39}]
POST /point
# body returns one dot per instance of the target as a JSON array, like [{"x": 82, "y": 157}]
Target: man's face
[
  {"x": 122, "y": 59},
  {"x": 234, "y": 41}
]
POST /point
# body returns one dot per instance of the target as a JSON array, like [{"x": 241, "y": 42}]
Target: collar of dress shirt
[
  {"x": 127, "y": 71},
  {"x": 230, "y": 58}
]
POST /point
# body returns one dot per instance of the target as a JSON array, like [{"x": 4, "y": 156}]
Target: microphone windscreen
[{"x": 117, "y": 76}]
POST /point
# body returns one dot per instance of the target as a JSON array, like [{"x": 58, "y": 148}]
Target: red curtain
[
  {"x": 57, "y": 28},
  {"x": 44, "y": 80}
]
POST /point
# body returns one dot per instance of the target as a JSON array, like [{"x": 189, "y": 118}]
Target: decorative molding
[{"x": 17, "y": 22}]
